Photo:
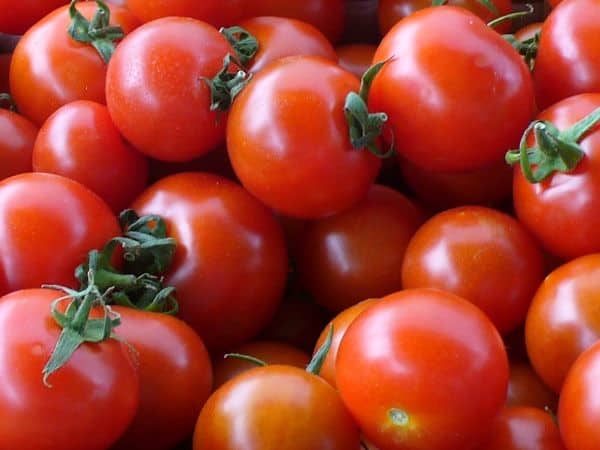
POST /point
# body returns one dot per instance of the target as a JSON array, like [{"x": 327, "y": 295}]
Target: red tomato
[
  {"x": 5, "y": 59},
  {"x": 80, "y": 141},
  {"x": 356, "y": 58},
  {"x": 48, "y": 223},
  {"x": 480, "y": 254},
  {"x": 578, "y": 407},
  {"x": 93, "y": 396},
  {"x": 175, "y": 374},
  {"x": 423, "y": 369},
  {"x": 230, "y": 264},
  {"x": 18, "y": 136},
  {"x": 61, "y": 69},
  {"x": 563, "y": 319},
  {"x": 452, "y": 107},
  {"x": 357, "y": 254},
  {"x": 19, "y": 16},
  {"x": 216, "y": 12},
  {"x": 525, "y": 388},
  {"x": 155, "y": 92},
  {"x": 275, "y": 407},
  {"x": 279, "y": 37},
  {"x": 288, "y": 139}
]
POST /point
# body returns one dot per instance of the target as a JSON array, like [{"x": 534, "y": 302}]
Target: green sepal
[
  {"x": 318, "y": 359},
  {"x": 227, "y": 84},
  {"x": 244, "y": 43}
]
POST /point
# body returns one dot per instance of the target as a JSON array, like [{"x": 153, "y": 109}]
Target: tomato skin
[
  {"x": 80, "y": 141},
  {"x": 155, "y": 93},
  {"x": 217, "y": 13},
  {"x": 288, "y": 139},
  {"x": 475, "y": 101},
  {"x": 525, "y": 388},
  {"x": 230, "y": 265},
  {"x": 272, "y": 407},
  {"x": 480, "y": 254},
  {"x": 410, "y": 370},
  {"x": 48, "y": 224},
  {"x": 18, "y": 136},
  {"x": 175, "y": 375},
  {"x": 20, "y": 16},
  {"x": 356, "y": 58},
  {"x": 61, "y": 69},
  {"x": 93, "y": 396}
]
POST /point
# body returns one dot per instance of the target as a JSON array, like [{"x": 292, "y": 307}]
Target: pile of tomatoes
[{"x": 301, "y": 225}]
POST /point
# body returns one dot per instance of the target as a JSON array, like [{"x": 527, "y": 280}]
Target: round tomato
[
  {"x": 19, "y": 16},
  {"x": 92, "y": 398},
  {"x": 61, "y": 69},
  {"x": 18, "y": 136},
  {"x": 216, "y": 12},
  {"x": 423, "y": 369},
  {"x": 525, "y": 388},
  {"x": 356, "y": 58},
  {"x": 474, "y": 102},
  {"x": 48, "y": 224}
]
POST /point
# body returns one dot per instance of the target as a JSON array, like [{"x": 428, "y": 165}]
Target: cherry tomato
[
  {"x": 272, "y": 407},
  {"x": 48, "y": 224},
  {"x": 452, "y": 107},
  {"x": 230, "y": 264},
  {"x": 289, "y": 143},
  {"x": 61, "y": 69},
  {"x": 18, "y": 136},
  {"x": 19, "y": 16},
  {"x": 356, "y": 58},
  {"x": 216, "y": 12},
  {"x": 411, "y": 370},
  {"x": 525, "y": 388},
  {"x": 480, "y": 254},
  {"x": 80, "y": 141},
  {"x": 155, "y": 91},
  {"x": 92, "y": 398}
]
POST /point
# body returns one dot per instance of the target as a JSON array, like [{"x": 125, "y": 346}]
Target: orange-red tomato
[
  {"x": 218, "y": 13},
  {"x": 525, "y": 388},
  {"x": 16, "y": 145},
  {"x": 356, "y": 58}
]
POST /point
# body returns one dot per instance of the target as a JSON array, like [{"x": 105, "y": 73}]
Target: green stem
[
  {"x": 244, "y": 43},
  {"x": 248, "y": 358},
  {"x": 227, "y": 84},
  {"x": 316, "y": 363},
  {"x": 511, "y": 16},
  {"x": 527, "y": 48}
]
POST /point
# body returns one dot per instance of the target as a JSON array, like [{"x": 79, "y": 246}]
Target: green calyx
[
  {"x": 554, "y": 150},
  {"x": 487, "y": 3},
  {"x": 244, "y": 43},
  {"x": 227, "y": 84},
  {"x": 527, "y": 48},
  {"x": 97, "y": 32},
  {"x": 316, "y": 363}
]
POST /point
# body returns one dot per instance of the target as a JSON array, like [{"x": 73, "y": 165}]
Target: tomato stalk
[
  {"x": 244, "y": 43},
  {"x": 509, "y": 17},
  {"x": 487, "y": 3},
  {"x": 527, "y": 48},
  {"x": 227, "y": 84}
]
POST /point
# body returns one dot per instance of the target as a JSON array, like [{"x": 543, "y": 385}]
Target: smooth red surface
[{"x": 18, "y": 136}]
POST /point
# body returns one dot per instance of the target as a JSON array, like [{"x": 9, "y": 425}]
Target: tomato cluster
[{"x": 301, "y": 225}]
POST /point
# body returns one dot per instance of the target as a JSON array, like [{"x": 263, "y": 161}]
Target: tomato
[
  {"x": 216, "y": 12},
  {"x": 271, "y": 352},
  {"x": 423, "y": 369},
  {"x": 480, "y": 254},
  {"x": 525, "y": 388},
  {"x": 326, "y": 15},
  {"x": 80, "y": 141},
  {"x": 279, "y": 37},
  {"x": 175, "y": 374},
  {"x": 230, "y": 265},
  {"x": 48, "y": 223},
  {"x": 5, "y": 59},
  {"x": 474, "y": 102},
  {"x": 566, "y": 62},
  {"x": 18, "y": 136},
  {"x": 61, "y": 69},
  {"x": 93, "y": 396},
  {"x": 273, "y": 407},
  {"x": 155, "y": 92},
  {"x": 357, "y": 254},
  {"x": 20, "y": 16},
  {"x": 563, "y": 320},
  {"x": 356, "y": 58},
  {"x": 288, "y": 139},
  {"x": 524, "y": 428},
  {"x": 578, "y": 407}
]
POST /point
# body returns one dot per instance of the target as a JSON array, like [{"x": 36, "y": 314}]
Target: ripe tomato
[
  {"x": 230, "y": 264},
  {"x": 18, "y": 136},
  {"x": 216, "y": 12},
  {"x": 93, "y": 396},
  {"x": 288, "y": 139},
  {"x": 356, "y": 58},
  {"x": 410, "y": 369},
  {"x": 480, "y": 254},
  {"x": 20, "y": 16},
  {"x": 357, "y": 254},
  {"x": 275, "y": 407},
  {"x": 525, "y": 388},
  {"x": 474, "y": 101},
  {"x": 80, "y": 141},
  {"x": 155, "y": 92},
  {"x": 48, "y": 223},
  {"x": 61, "y": 69},
  {"x": 175, "y": 375}
]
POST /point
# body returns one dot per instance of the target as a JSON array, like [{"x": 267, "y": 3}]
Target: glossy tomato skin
[
  {"x": 565, "y": 201},
  {"x": 475, "y": 101},
  {"x": 230, "y": 264},
  {"x": 563, "y": 320},
  {"x": 48, "y": 224},
  {"x": 288, "y": 139},
  {"x": 80, "y": 141},
  {"x": 410, "y": 370},
  {"x": 526, "y": 388},
  {"x": 216, "y": 12},
  {"x": 61, "y": 69},
  {"x": 175, "y": 375},
  {"x": 480, "y": 254},
  {"x": 18, "y": 136},
  {"x": 356, "y": 58},
  {"x": 20, "y": 16},
  {"x": 93, "y": 396},
  {"x": 272, "y": 407},
  {"x": 155, "y": 92}
]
